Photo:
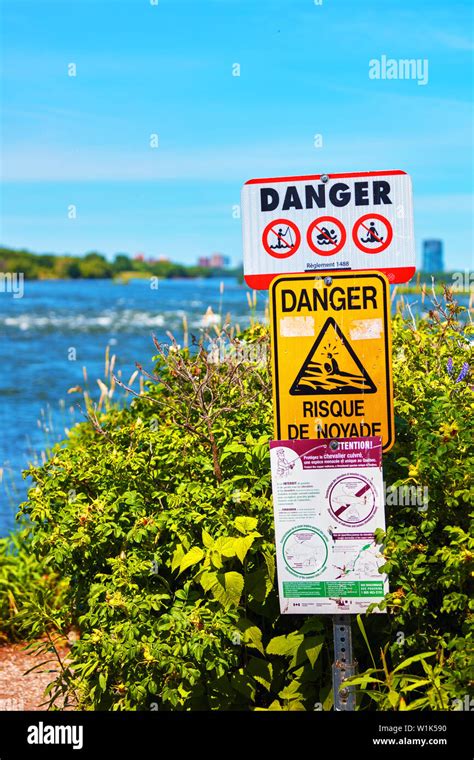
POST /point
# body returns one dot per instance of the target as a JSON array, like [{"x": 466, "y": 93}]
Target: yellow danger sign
[{"x": 331, "y": 351}]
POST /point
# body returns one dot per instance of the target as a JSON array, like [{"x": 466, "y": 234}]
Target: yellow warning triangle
[{"x": 332, "y": 366}]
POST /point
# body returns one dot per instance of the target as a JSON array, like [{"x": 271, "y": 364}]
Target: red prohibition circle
[
  {"x": 291, "y": 249},
  {"x": 316, "y": 225},
  {"x": 384, "y": 244}
]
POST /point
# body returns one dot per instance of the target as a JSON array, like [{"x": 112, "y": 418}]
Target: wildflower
[
  {"x": 463, "y": 373},
  {"x": 449, "y": 366},
  {"x": 449, "y": 430}
]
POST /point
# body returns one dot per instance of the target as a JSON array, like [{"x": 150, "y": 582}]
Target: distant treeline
[{"x": 49, "y": 266}]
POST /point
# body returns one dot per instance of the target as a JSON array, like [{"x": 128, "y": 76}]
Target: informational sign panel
[
  {"x": 328, "y": 502},
  {"x": 331, "y": 353},
  {"x": 361, "y": 220}
]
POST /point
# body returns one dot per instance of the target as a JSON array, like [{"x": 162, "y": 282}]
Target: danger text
[
  {"x": 336, "y": 298},
  {"x": 320, "y": 196}
]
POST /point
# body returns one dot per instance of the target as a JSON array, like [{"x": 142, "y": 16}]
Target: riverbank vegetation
[
  {"x": 93, "y": 265},
  {"x": 157, "y": 517}
]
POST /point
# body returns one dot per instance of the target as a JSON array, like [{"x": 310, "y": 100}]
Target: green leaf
[
  {"x": 242, "y": 545},
  {"x": 225, "y": 545},
  {"x": 256, "y": 584},
  {"x": 285, "y": 645},
  {"x": 327, "y": 697},
  {"x": 415, "y": 658},
  {"x": 90, "y": 667},
  {"x": 245, "y": 524},
  {"x": 418, "y": 704},
  {"x": 393, "y": 698},
  {"x": 207, "y": 580},
  {"x": 252, "y": 636},
  {"x": 270, "y": 563},
  {"x": 362, "y": 630},
  {"x": 207, "y": 539},
  {"x": 291, "y": 691},
  {"x": 313, "y": 647},
  {"x": 275, "y": 705},
  {"x": 190, "y": 558},
  {"x": 361, "y": 680},
  {"x": 177, "y": 557},
  {"x": 216, "y": 558},
  {"x": 228, "y": 589},
  {"x": 243, "y": 684},
  {"x": 261, "y": 670},
  {"x": 416, "y": 685},
  {"x": 295, "y": 704},
  {"x": 312, "y": 625}
]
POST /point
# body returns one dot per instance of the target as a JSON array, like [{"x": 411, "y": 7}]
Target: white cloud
[{"x": 25, "y": 163}]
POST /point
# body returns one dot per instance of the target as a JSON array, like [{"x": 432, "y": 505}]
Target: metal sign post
[{"x": 344, "y": 665}]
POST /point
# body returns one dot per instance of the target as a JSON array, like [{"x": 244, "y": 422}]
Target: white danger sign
[
  {"x": 328, "y": 502},
  {"x": 362, "y": 220}
]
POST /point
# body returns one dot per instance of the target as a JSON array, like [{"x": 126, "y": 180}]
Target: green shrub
[
  {"x": 429, "y": 546},
  {"x": 30, "y": 591},
  {"x": 159, "y": 515}
]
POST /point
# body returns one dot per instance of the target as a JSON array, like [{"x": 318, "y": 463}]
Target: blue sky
[{"x": 167, "y": 69}]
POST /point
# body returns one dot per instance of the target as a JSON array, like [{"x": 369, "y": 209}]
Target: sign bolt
[
  {"x": 324, "y": 177},
  {"x": 327, "y": 280}
]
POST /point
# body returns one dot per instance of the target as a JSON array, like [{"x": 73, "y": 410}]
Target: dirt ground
[{"x": 19, "y": 691}]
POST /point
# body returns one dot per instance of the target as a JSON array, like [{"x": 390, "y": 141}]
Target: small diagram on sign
[
  {"x": 283, "y": 465},
  {"x": 281, "y": 238},
  {"x": 326, "y": 235},
  {"x": 365, "y": 564},
  {"x": 305, "y": 551},
  {"x": 284, "y": 238},
  {"x": 372, "y": 233},
  {"x": 352, "y": 500},
  {"x": 332, "y": 366}
]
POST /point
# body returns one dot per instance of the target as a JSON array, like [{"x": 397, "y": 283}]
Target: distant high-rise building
[
  {"x": 218, "y": 261},
  {"x": 433, "y": 256},
  {"x": 215, "y": 261}
]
